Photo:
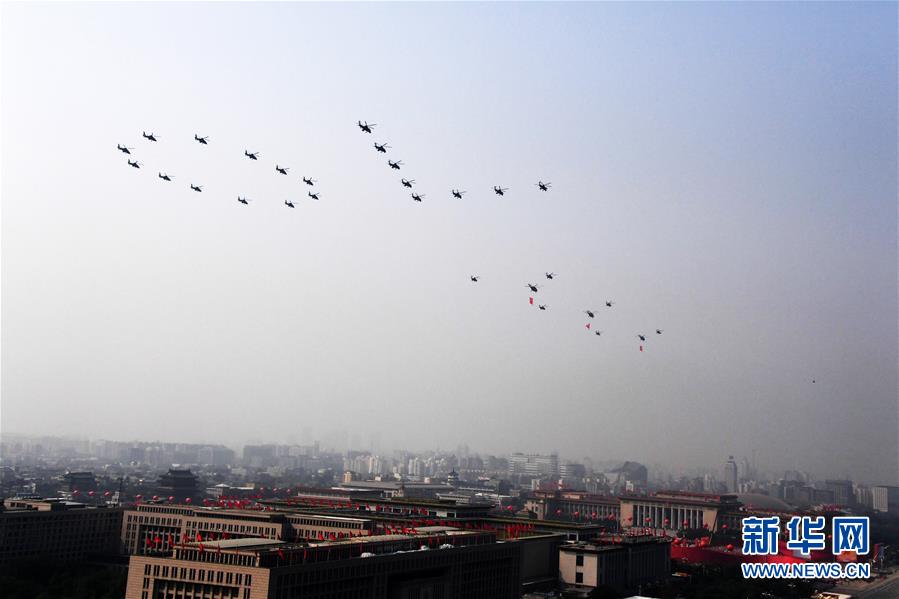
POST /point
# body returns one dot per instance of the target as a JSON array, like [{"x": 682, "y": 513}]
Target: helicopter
[
  {"x": 417, "y": 197},
  {"x": 124, "y": 149},
  {"x": 541, "y": 306},
  {"x": 197, "y": 188},
  {"x": 590, "y": 313},
  {"x": 243, "y": 201},
  {"x": 309, "y": 181},
  {"x": 151, "y": 137},
  {"x": 366, "y": 127},
  {"x": 407, "y": 183},
  {"x": 283, "y": 171},
  {"x": 532, "y": 287},
  {"x": 165, "y": 177},
  {"x": 609, "y": 304},
  {"x": 458, "y": 194},
  {"x": 500, "y": 190},
  {"x": 395, "y": 165},
  {"x": 289, "y": 204},
  {"x": 474, "y": 278},
  {"x": 550, "y": 275},
  {"x": 251, "y": 155},
  {"x": 314, "y": 196},
  {"x": 382, "y": 148},
  {"x": 134, "y": 163},
  {"x": 202, "y": 140},
  {"x": 543, "y": 186}
]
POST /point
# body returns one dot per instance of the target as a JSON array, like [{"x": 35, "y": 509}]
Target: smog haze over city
[{"x": 724, "y": 172}]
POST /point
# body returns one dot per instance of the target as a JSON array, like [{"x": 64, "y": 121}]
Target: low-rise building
[
  {"x": 623, "y": 563},
  {"x": 674, "y": 510},
  {"x": 438, "y": 562},
  {"x": 58, "y": 529}
]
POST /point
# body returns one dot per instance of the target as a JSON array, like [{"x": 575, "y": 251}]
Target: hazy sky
[{"x": 723, "y": 171}]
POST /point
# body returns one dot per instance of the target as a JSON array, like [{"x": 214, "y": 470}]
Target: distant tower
[{"x": 730, "y": 475}]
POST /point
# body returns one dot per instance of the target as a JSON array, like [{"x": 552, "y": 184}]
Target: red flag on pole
[
  {"x": 641, "y": 348},
  {"x": 532, "y": 301}
]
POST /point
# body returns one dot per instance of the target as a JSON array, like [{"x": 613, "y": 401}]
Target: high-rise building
[
  {"x": 864, "y": 497},
  {"x": 842, "y": 491},
  {"x": 730, "y": 475},
  {"x": 885, "y": 499},
  {"x": 534, "y": 465}
]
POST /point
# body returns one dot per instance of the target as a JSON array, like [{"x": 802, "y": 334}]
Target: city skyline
[
  {"x": 724, "y": 172},
  {"x": 748, "y": 469}
]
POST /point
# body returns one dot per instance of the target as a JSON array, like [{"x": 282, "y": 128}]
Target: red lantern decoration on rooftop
[{"x": 730, "y": 547}]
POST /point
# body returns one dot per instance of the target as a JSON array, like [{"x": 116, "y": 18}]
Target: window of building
[
  {"x": 579, "y": 559},
  {"x": 579, "y": 578}
]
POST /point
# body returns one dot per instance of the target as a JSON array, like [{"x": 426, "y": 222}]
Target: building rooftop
[
  {"x": 238, "y": 543},
  {"x": 708, "y": 499},
  {"x": 610, "y": 543}
]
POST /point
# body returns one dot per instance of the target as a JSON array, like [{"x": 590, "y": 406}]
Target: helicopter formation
[
  {"x": 204, "y": 140},
  {"x": 534, "y": 288},
  {"x": 381, "y": 148},
  {"x": 394, "y": 164}
]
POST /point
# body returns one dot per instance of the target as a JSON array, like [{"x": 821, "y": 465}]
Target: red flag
[
  {"x": 199, "y": 538},
  {"x": 588, "y": 326},
  {"x": 201, "y": 548},
  {"x": 280, "y": 554},
  {"x": 532, "y": 301},
  {"x": 641, "y": 348}
]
